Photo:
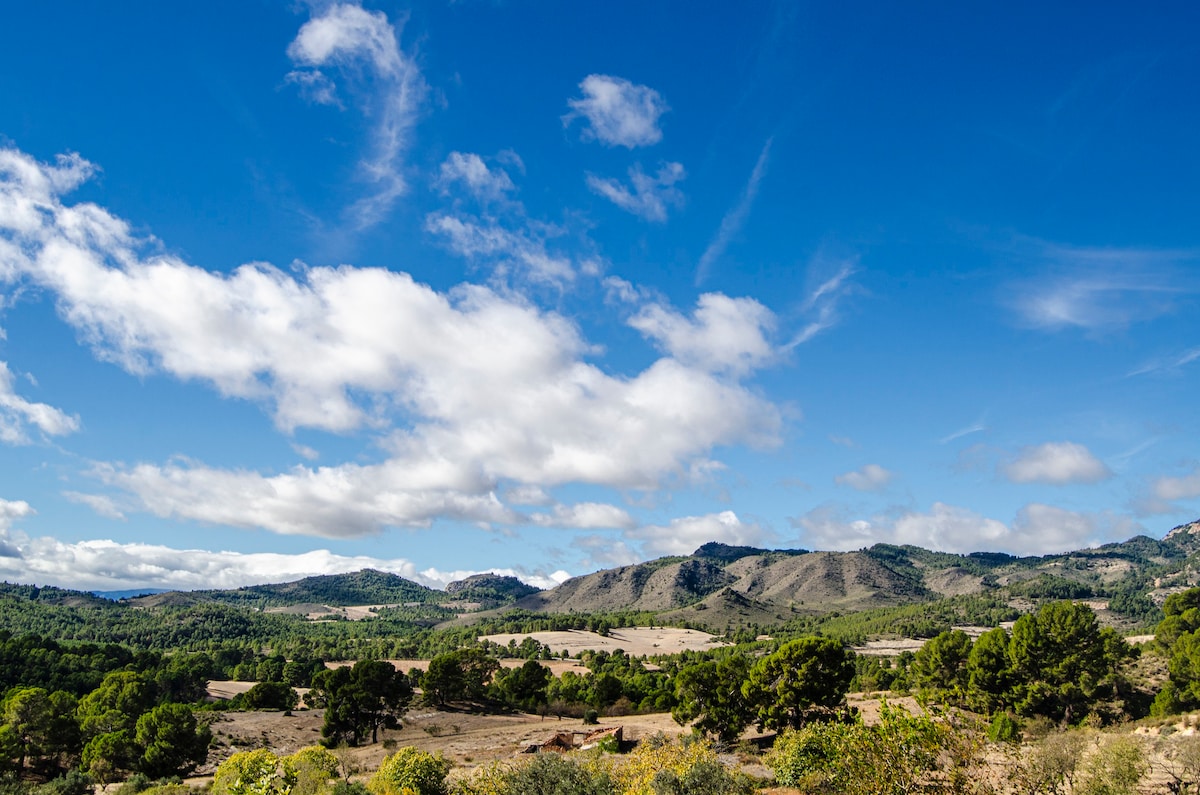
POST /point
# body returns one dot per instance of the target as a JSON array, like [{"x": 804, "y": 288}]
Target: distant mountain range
[{"x": 721, "y": 585}]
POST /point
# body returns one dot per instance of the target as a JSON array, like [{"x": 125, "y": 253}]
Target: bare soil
[{"x": 466, "y": 739}]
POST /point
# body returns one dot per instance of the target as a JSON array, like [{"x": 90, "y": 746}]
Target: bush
[
  {"x": 249, "y": 773},
  {"x": 591, "y": 717},
  {"x": 1052, "y": 764},
  {"x": 1004, "y": 729},
  {"x": 900, "y": 753},
  {"x": 348, "y": 788},
  {"x": 555, "y": 774},
  {"x": 1166, "y": 702},
  {"x": 1116, "y": 768},
  {"x": 171, "y": 788},
  {"x": 411, "y": 770},
  {"x": 706, "y": 777},
  {"x": 269, "y": 696},
  {"x": 309, "y": 769},
  {"x": 665, "y": 767},
  {"x": 74, "y": 782},
  {"x": 138, "y": 782}
]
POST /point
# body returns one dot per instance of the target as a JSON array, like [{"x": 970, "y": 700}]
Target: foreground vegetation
[{"x": 96, "y": 692}]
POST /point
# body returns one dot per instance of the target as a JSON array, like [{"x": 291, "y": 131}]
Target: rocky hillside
[
  {"x": 721, "y": 585},
  {"x": 755, "y": 581}
]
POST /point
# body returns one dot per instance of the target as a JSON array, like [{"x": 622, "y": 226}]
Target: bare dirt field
[
  {"x": 635, "y": 641},
  {"x": 466, "y": 739},
  {"x": 470, "y": 740}
]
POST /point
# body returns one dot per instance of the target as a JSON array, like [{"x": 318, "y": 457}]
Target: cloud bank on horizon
[{"x": 382, "y": 298}]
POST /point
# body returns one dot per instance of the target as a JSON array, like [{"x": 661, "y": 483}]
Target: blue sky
[{"x": 295, "y": 288}]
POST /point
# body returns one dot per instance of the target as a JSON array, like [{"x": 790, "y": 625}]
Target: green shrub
[
  {"x": 411, "y": 769},
  {"x": 901, "y": 753},
  {"x": 1004, "y": 729},
  {"x": 1166, "y": 702},
  {"x": 555, "y": 774},
  {"x": 73, "y": 782},
  {"x": 706, "y": 777}
]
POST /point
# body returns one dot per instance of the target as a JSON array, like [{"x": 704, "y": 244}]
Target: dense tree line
[{"x": 1057, "y": 662}]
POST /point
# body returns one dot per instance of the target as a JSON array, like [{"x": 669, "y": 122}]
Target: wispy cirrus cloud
[
  {"x": 647, "y": 197},
  {"x": 486, "y": 224},
  {"x": 617, "y": 111},
  {"x": 362, "y": 48},
  {"x": 978, "y": 426},
  {"x": 1100, "y": 290},
  {"x": 831, "y": 283},
  {"x": 516, "y": 250},
  {"x": 735, "y": 218},
  {"x": 1164, "y": 365}
]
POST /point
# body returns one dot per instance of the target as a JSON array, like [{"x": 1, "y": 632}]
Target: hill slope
[
  {"x": 721, "y": 585},
  {"x": 365, "y": 587}
]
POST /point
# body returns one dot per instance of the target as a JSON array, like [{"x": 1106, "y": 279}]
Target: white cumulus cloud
[
  {"x": 1056, "y": 463},
  {"x": 1037, "y": 529},
  {"x": 469, "y": 170},
  {"x": 473, "y": 390},
  {"x": 618, "y": 112},
  {"x": 106, "y": 565},
  {"x": 684, "y": 535},
  {"x": 1184, "y": 487},
  {"x": 585, "y": 516},
  {"x": 723, "y": 334},
  {"x": 17, "y": 414}
]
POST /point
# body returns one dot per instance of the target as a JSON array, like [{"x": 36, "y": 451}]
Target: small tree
[
  {"x": 940, "y": 666},
  {"x": 269, "y": 695},
  {"x": 458, "y": 675},
  {"x": 805, "y": 673},
  {"x": 360, "y": 700},
  {"x": 710, "y": 693},
  {"x": 171, "y": 740}
]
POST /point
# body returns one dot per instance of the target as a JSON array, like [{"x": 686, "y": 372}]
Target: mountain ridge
[{"x": 721, "y": 585}]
